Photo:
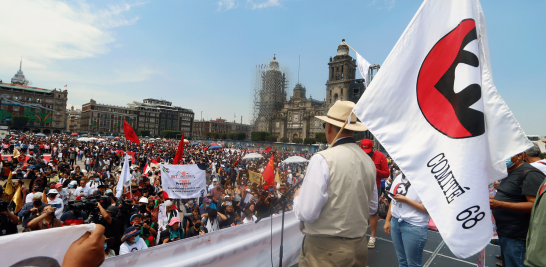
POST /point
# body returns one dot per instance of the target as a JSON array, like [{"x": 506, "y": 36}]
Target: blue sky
[{"x": 202, "y": 54}]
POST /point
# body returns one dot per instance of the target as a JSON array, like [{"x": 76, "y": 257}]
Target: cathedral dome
[
  {"x": 274, "y": 64},
  {"x": 342, "y": 49}
]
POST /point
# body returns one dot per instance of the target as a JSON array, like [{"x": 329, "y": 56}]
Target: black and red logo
[{"x": 445, "y": 107}]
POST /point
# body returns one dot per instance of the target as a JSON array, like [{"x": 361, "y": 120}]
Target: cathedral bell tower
[{"x": 341, "y": 69}]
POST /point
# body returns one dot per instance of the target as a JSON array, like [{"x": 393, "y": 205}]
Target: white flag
[
  {"x": 435, "y": 109},
  {"x": 125, "y": 176},
  {"x": 363, "y": 66}
]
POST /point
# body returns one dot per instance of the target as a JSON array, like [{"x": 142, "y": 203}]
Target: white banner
[
  {"x": 363, "y": 67},
  {"x": 435, "y": 109},
  {"x": 124, "y": 178},
  {"x": 242, "y": 245},
  {"x": 183, "y": 181},
  {"x": 40, "y": 248}
]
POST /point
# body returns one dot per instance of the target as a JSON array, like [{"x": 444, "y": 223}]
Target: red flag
[
  {"x": 130, "y": 133},
  {"x": 154, "y": 161},
  {"x": 268, "y": 149},
  {"x": 180, "y": 152},
  {"x": 269, "y": 173}
]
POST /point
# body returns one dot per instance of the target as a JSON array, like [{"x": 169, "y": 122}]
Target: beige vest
[{"x": 352, "y": 178}]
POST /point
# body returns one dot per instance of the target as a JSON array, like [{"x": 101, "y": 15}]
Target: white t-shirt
[
  {"x": 541, "y": 165},
  {"x": 128, "y": 248},
  {"x": 245, "y": 220},
  {"x": 404, "y": 211},
  {"x": 85, "y": 191}
]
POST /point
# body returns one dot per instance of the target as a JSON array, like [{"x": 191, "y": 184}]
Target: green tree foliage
[
  {"x": 309, "y": 141},
  {"x": 259, "y": 136},
  {"x": 223, "y": 136},
  {"x": 285, "y": 139},
  {"x": 143, "y": 132},
  {"x": 170, "y": 133},
  {"x": 19, "y": 121},
  {"x": 271, "y": 138},
  {"x": 297, "y": 140},
  {"x": 239, "y": 136},
  {"x": 320, "y": 137}
]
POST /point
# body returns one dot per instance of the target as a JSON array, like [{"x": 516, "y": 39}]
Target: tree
[
  {"x": 239, "y": 136},
  {"x": 297, "y": 140},
  {"x": 320, "y": 137},
  {"x": 170, "y": 133},
  {"x": 259, "y": 136},
  {"x": 285, "y": 139},
  {"x": 143, "y": 132},
  {"x": 19, "y": 121},
  {"x": 309, "y": 141},
  {"x": 271, "y": 138},
  {"x": 223, "y": 136}
]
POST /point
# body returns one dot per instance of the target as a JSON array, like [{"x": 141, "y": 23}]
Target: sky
[{"x": 202, "y": 54}]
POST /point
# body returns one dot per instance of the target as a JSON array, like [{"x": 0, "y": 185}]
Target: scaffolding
[{"x": 268, "y": 95}]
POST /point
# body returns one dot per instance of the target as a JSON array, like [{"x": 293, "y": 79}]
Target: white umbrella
[
  {"x": 295, "y": 159},
  {"x": 84, "y": 139},
  {"x": 101, "y": 139},
  {"x": 253, "y": 156}
]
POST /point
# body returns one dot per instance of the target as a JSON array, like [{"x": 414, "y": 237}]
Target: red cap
[{"x": 366, "y": 145}]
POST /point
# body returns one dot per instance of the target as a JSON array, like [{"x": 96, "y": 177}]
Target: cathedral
[{"x": 296, "y": 117}]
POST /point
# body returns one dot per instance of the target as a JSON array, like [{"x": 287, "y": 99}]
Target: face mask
[
  {"x": 270, "y": 190},
  {"x": 136, "y": 239},
  {"x": 97, "y": 179},
  {"x": 105, "y": 245},
  {"x": 207, "y": 205},
  {"x": 509, "y": 163}
]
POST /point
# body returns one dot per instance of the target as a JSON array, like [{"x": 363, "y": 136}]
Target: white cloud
[
  {"x": 47, "y": 30},
  {"x": 388, "y": 4},
  {"x": 225, "y": 5},
  {"x": 263, "y": 4}
]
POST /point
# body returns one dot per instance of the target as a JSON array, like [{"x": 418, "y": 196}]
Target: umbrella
[
  {"x": 295, "y": 159},
  {"x": 110, "y": 137},
  {"x": 117, "y": 137},
  {"x": 194, "y": 143},
  {"x": 213, "y": 144},
  {"x": 101, "y": 139},
  {"x": 253, "y": 156},
  {"x": 215, "y": 147},
  {"x": 40, "y": 135},
  {"x": 186, "y": 141},
  {"x": 84, "y": 139},
  {"x": 74, "y": 134}
]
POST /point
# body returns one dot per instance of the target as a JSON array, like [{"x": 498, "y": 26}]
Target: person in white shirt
[
  {"x": 28, "y": 198},
  {"x": 94, "y": 183},
  {"x": 131, "y": 241},
  {"x": 55, "y": 202},
  {"x": 83, "y": 190},
  {"x": 532, "y": 156},
  {"x": 249, "y": 217},
  {"x": 64, "y": 194},
  {"x": 407, "y": 222}
]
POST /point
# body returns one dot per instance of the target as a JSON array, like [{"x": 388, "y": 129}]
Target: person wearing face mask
[
  {"x": 134, "y": 194},
  {"x": 512, "y": 206},
  {"x": 75, "y": 216},
  {"x": 94, "y": 183},
  {"x": 46, "y": 219},
  {"x": 173, "y": 233},
  {"x": 170, "y": 213},
  {"x": 131, "y": 241},
  {"x": 31, "y": 209},
  {"x": 148, "y": 231}
]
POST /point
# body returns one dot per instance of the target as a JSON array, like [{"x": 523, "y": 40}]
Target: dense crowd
[{"x": 45, "y": 187}]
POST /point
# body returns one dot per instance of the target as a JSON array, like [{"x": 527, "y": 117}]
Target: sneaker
[{"x": 371, "y": 243}]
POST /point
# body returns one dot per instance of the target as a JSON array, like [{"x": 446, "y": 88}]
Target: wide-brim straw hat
[{"x": 339, "y": 113}]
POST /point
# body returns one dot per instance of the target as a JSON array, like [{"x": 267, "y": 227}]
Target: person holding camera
[
  {"x": 31, "y": 208},
  {"x": 46, "y": 219},
  {"x": 55, "y": 202},
  {"x": 113, "y": 226},
  {"x": 75, "y": 215},
  {"x": 173, "y": 233},
  {"x": 8, "y": 220}
]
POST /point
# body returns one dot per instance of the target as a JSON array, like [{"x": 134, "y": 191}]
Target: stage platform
[{"x": 436, "y": 252}]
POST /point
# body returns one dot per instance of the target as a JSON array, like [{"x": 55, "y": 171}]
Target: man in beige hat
[{"x": 333, "y": 201}]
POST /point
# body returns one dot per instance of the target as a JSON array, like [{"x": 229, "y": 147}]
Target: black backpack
[{"x": 524, "y": 173}]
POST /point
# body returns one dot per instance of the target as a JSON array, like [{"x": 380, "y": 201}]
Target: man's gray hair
[
  {"x": 38, "y": 195},
  {"x": 534, "y": 151}
]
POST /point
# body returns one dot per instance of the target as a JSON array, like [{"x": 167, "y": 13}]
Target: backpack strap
[{"x": 524, "y": 173}]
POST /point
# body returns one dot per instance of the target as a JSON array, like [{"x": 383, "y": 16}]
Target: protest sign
[
  {"x": 183, "y": 181},
  {"x": 40, "y": 248}
]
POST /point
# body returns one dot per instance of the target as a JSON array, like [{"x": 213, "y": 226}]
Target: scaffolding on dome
[{"x": 269, "y": 85}]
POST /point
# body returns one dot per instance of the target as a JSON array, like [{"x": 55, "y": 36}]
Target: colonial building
[
  {"x": 296, "y": 117},
  {"x": 157, "y": 115},
  {"x": 220, "y": 126},
  {"x": 106, "y": 119},
  {"x": 45, "y": 108},
  {"x": 73, "y": 119}
]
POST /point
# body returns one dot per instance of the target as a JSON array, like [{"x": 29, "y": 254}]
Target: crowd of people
[
  {"x": 58, "y": 181},
  {"x": 45, "y": 187}
]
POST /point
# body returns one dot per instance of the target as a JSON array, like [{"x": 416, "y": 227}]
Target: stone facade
[
  {"x": 73, "y": 119},
  {"x": 157, "y": 115},
  {"x": 106, "y": 119},
  {"x": 220, "y": 126},
  {"x": 45, "y": 108}
]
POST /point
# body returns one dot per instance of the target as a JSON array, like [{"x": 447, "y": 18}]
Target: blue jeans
[
  {"x": 512, "y": 252},
  {"x": 409, "y": 241}
]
